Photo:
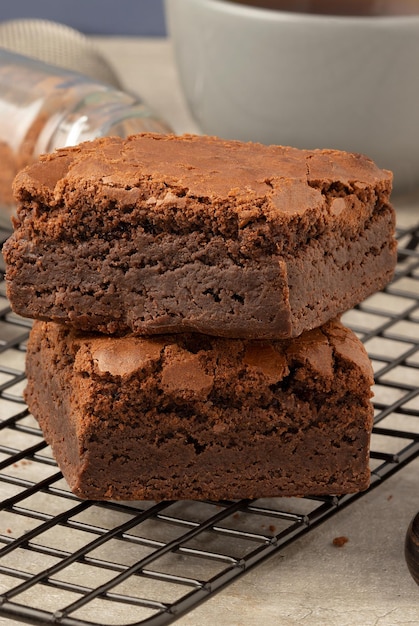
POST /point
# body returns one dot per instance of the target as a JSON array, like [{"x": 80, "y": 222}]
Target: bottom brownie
[{"x": 193, "y": 417}]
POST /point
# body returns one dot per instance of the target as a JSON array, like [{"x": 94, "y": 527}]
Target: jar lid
[{"x": 57, "y": 44}]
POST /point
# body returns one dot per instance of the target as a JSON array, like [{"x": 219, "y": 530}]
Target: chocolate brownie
[
  {"x": 163, "y": 234},
  {"x": 190, "y": 416}
]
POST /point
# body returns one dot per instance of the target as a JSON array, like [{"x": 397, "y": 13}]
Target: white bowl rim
[{"x": 236, "y": 8}]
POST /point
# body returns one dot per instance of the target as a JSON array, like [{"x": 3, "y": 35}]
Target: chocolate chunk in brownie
[
  {"x": 164, "y": 234},
  {"x": 190, "y": 416}
]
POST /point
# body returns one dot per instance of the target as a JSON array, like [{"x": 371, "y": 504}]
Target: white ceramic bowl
[{"x": 306, "y": 80}]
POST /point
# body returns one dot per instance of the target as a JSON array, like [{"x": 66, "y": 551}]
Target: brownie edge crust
[
  {"x": 162, "y": 234},
  {"x": 195, "y": 417}
]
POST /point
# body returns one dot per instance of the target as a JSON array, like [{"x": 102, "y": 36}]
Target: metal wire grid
[{"x": 68, "y": 562}]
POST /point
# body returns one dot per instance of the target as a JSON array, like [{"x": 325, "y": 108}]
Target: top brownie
[{"x": 159, "y": 234}]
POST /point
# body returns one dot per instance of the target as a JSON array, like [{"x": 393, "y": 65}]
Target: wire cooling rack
[{"x": 69, "y": 562}]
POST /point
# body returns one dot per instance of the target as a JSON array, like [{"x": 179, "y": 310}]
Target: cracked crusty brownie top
[{"x": 184, "y": 183}]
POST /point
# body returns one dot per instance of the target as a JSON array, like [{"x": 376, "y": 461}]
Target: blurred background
[{"x": 143, "y": 18}]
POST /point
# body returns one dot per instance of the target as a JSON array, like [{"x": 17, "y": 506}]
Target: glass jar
[{"x": 43, "y": 107}]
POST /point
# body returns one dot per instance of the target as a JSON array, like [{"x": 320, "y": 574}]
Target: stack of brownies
[{"x": 190, "y": 290}]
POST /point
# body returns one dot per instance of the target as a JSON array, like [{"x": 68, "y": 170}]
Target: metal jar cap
[{"x": 57, "y": 44}]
